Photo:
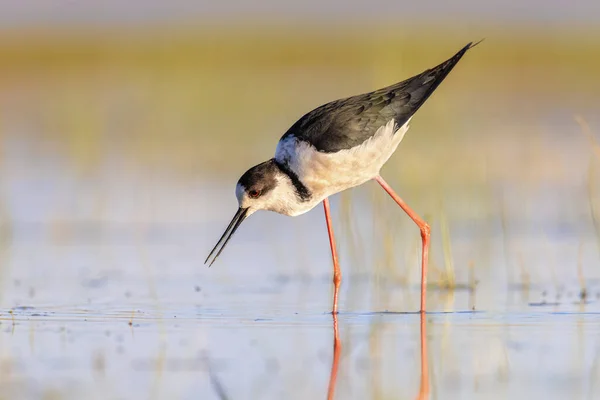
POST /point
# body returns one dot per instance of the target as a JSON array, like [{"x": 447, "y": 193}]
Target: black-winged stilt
[{"x": 337, "y": 146}]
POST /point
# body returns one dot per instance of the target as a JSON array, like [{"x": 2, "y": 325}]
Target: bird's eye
[{"x": 254, "y": 193}]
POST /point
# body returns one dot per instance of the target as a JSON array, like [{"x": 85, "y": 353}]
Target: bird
[{"x": 337, "y": 146}]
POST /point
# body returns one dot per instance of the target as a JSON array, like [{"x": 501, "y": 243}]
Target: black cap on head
[{"x": 260, "y": 179}]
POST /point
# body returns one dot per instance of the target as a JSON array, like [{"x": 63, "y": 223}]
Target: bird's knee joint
[
  {"x": 337, "y": 278},
  {"x": 425, "y": 231}
]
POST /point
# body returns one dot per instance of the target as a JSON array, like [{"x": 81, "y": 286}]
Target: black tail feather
[{"x": 421, "y": 86}]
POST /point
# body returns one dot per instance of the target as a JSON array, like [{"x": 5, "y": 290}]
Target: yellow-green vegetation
[
  {"x": 180, "y": 97},
  {"x": 210, "y": 102}
]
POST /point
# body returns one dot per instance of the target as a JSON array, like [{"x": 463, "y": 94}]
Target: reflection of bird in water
[
  {"x": 424, "y": 386},
  {"x": 337, "y": 146},
  {"x": 337, "y": 349}
]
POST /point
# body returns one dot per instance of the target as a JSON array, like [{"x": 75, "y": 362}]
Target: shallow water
[
  {"x": 250, "y": 351},
  {"x": 120, "y": 306},
  {"x": 105, "y": 295}
]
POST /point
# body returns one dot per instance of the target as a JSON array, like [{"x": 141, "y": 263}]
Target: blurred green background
[
  {"x": 197, "y": 93},
  {"x": 181, "y": 94}
]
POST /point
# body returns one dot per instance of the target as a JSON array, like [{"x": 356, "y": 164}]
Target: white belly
[{"x": 325, "y": 174}]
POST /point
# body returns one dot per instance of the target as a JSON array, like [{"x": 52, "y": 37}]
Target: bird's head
[
  {"x": 262, "y": 187},
  {"x": 259, "y": 188}
]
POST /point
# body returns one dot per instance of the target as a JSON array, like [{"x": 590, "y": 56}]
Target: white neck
[{"x": 285, "y": 200}]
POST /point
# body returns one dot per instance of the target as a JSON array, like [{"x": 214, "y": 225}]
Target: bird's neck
[{"x": 302, "y": 192}]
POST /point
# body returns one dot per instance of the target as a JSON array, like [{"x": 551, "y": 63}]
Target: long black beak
[{"x": 239, "y": 216}]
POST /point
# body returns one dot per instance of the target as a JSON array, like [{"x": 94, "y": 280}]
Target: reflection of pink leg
[
  {"x": 424, "y": 387},
  {"x": 337, "y": 348},
  {"x": 337, "y": 274},
  {"x": 425, "y": 233}
]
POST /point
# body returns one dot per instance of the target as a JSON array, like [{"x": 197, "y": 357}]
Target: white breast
[{"x": 325, "y": 174}]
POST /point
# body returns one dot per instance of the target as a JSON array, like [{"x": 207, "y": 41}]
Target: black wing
[{"x": 345, "y": 123}]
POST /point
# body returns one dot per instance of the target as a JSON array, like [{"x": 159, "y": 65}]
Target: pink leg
[
  {"x": 337, "y": 274},
  {"x": 425, "y": 233}
]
